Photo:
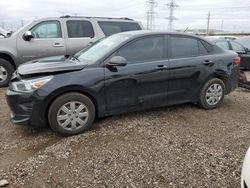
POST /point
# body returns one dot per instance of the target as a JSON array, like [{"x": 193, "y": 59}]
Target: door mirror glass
[
  {"x": 28, "y": 36},
  {"x": 117, "y": 61}
]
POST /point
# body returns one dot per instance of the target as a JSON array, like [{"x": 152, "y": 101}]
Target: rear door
[
  {"x": 79, "y": 34},
  {"x": 142, "y": 83},
  {"x": 190, "y": 65},
  {"x": 48, "y": 41}
]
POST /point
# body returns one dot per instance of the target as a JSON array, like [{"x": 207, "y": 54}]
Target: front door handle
[
  {"x": 57, "y": 45},
  {"x": 208, "y": 63},
  {"x": 161, "y": 67}
]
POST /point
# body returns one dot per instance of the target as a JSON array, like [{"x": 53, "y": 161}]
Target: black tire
[
  {"x": 202, "y": 98},
  {"x": 64, "y": 99},
  {"x": 9, "y": 71}
]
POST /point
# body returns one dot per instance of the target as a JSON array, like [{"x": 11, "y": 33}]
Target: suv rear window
[
  {"x": 79, "y": 29},
  {"x": 110, "y": 28}
]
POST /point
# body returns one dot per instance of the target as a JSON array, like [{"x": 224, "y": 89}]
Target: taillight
[{"x": 236, "y": 60}]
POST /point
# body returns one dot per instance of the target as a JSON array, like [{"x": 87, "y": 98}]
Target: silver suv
[{"x": 56, "y": 36}]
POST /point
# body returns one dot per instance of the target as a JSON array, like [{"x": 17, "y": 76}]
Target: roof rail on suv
[{"x": 68, "y": 16}]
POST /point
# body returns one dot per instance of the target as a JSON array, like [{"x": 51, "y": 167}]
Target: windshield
[{"x": 101, "y": 48}]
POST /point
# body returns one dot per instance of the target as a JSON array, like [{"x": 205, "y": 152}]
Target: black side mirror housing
[
  {"x": 116, "y": 61},
  {"x": 28, "y": 36}
]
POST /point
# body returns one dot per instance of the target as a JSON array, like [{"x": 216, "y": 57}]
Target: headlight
[{"x": 30, "y": 85}]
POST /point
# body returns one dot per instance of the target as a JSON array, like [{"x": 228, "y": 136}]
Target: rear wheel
[
  {"x": 71, "y": 114},
  {"x": 6, "y": 71},
  {"x": 212, "y": 94}
]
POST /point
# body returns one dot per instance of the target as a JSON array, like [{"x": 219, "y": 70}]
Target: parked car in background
[
  {"x": 243, "y": 52},
  {"x": 223, "y": 37},
  {"x": 56, "y": 36},
  {"x": 3, "y": 33},
  {"x": 245, "y": 41},
  {"x": 245, "y": 174},
  {"x": 125, "y": 72}
]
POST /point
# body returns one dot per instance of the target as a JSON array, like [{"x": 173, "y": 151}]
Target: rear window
[
  {"x": 79, "y": 29},
  {"x": 110, "y": 28},
  {"x": 223, "y": 44}
]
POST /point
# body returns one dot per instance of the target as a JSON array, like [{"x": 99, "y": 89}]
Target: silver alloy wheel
[
  {"x": 214, "y": 94},
  {"x": 3, "y": 74},
  {"x": 72, "y": 115}
]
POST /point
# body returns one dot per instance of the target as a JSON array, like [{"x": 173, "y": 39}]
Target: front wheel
[
  {"x": 6, "y": 71},
  {"x": 212, "y": 94},
  {"x": 71, "y": 114}
]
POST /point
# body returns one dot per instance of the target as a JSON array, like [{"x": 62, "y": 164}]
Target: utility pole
[
  {"x": 3, "y": 25},
  {"x": 208, "y": 22},
  {"x": 150, "y": 14},
  {"x": 222, "y": 24},
  {"x": 22, "y": 23},
  {"x": 172, "y": 5}
]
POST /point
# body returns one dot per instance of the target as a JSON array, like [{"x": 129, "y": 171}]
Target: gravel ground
[{"x": 180, "y": 146}]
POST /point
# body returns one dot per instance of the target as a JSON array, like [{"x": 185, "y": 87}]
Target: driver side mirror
[
  {"x": 117, "y": 61},
  {"x": 247, "y": 50},
  {"x": 28, "y": 36}
]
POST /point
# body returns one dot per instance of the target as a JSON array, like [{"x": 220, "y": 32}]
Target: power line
[
  {"x": 150, "y": 14},
  {"x": 172, "y": 5}
]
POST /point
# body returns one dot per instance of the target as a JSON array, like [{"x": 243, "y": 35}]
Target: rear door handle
[
  {"x": 208, "y": 63},
  {"x": 161, "y": 67},
  {"x": 57, "y": 45}
]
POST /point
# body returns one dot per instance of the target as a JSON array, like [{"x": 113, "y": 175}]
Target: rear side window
[
  {"x": 110, "y": 28},
  {"x": 223, "y": 44},
  {"x": 202, "y": 49},
  {"x": 79, "y": 29},
  {"x": 183, "y": 47},
  {"x": 143, "y": 50}
]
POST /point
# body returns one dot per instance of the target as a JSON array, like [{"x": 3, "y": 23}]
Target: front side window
[
  {"x": 79, "y": 29},
  {"x": 237, "y": 47},
  {"x": 110, "y": 28},
  {"x": 47, "y": 29},
  {"x": 143, "y": 50},
  {"x": 223, "y": 44},
  {"x": 182, "y": 47}
]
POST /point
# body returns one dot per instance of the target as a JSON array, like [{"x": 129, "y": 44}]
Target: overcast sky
[{"x": 234, "y": 14}]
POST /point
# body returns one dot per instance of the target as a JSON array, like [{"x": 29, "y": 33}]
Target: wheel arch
[
  {"x": 221, "y": 76},
  {"x": 6, "y": 56},
  {"x": 71, "y": 89}
]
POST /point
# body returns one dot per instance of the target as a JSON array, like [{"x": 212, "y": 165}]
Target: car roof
[
  {"x": 87, "y": 17},
  {"x": 141, "y": 33}
]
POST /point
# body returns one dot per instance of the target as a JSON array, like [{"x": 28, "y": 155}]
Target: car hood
[{"x": 50, "y": 65}]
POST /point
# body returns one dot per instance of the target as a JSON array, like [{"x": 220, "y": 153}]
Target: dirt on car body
[{"x": 179, "y": 146}]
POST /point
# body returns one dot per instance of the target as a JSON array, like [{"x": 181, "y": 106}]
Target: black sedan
[
  {"x": 243, "y": 52},
  {"x": 125, "y": 72}
]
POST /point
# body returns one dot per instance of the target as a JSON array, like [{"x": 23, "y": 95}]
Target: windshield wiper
[
  {"x": 75, "y": 57},
  {"x": 72, "y": 57}
]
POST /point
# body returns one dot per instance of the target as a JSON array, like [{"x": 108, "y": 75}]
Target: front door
[
  {"x": 48, "y": 41},
  {"x": 143, "y": 82}
]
